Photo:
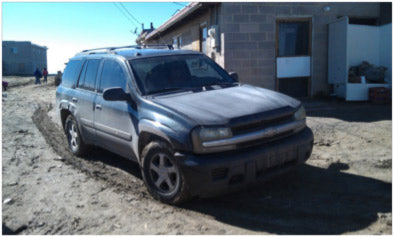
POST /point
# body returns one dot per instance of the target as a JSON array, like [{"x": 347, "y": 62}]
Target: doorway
[{"x": 293, "y": 56}]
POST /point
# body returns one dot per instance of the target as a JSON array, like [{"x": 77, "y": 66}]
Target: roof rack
[
  {"x": 158, "y": 46},
  {"x": 109, "y": 49}
]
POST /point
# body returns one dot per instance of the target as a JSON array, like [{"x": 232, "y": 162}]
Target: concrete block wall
[{"x": 249, "y": 32}]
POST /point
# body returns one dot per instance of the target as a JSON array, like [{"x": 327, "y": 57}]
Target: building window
[
  {"x": 203, "y": 38},
  {"x": 14, "y": 50},
  {"x": 174, "y": 42},
  {"x": 293, "y": 39},
  {"x": 177, "y": 42}
]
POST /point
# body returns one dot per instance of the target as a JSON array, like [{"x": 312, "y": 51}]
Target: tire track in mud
[
  {"x": 98, "y": 164},
  {"x": 313, "y": 200}
]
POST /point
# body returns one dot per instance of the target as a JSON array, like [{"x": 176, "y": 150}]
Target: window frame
[
  {"x": 177, "y": 41},
  {"x": 72, "y": 82},
  {"x": 82, "y": 72},
  {"x": 97, "y": 73},
  {"x": 294, "y": 20},
  {"x": 203, "y": 26},
  {"x": 101, "y": 70}
]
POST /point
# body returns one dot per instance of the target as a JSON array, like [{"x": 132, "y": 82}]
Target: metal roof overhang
[{"x": 185, "y": 12}]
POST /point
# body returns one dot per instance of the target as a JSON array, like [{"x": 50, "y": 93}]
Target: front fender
[{"x": 179, "y": 141}]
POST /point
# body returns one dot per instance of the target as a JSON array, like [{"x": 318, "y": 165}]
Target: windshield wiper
[
  {"x": 168, "y": 89},
  {"x": 219, "y": 84}
]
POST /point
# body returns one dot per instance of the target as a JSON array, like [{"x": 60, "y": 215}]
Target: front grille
[
  {"x": 264, "y": 140},
  {"x": 259, "y": 125}
]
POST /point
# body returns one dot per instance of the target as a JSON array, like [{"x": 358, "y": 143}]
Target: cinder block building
[
  {"x": 23, "y": 57},
  {"x": 276, "y": 45}
]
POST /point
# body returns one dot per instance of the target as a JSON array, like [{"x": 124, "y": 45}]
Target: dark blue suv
[{"x": 191, "y": 126}]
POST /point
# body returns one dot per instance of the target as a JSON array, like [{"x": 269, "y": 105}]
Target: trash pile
[{"x": 372, "y": 73}]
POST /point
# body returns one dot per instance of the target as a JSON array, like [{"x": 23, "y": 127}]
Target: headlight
[
  {"x": 209, "y": 134},
  {"x": 204, "y": 134},
  {"x": 300, "y": 114}
]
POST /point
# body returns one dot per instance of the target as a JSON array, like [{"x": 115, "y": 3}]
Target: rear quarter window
[{"x": 71, "y": 73}]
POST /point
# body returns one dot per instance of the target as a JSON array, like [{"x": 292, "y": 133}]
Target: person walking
[
  {"x": 38, "y": 75},
  {"x": 45, "y": 74}
]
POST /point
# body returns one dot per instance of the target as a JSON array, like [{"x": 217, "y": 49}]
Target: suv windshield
[{"x": 178, "y": 72}]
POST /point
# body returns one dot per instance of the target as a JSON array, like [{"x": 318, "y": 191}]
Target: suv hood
[{"x": 216, "y": 107}]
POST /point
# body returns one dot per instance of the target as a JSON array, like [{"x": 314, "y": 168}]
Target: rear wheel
[
  {"x": 161, "y": 174},
  {"x": 75, "y": 142}
]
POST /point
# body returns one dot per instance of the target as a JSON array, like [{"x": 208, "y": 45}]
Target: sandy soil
[{"x": 345, "y": 187}]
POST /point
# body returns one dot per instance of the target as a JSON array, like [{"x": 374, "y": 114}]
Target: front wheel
[
  {"x": 75, "y": 142},
  {"x": 161, "y": 174}
]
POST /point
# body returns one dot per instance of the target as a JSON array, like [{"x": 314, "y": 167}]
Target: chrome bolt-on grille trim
[{"x": 264, "y": 133}]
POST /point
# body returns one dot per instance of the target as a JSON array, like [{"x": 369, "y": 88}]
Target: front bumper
[{"x": 213, "y": 174}]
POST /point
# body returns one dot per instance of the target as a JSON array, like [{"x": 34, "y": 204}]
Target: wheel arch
[
  {"x": 64, "y": 113},
  {"x": 146, "y": 137},
  {"x": 152, "y": 130}
]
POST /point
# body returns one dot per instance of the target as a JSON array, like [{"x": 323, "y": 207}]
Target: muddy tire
[
  {"x": 75, "y": 142},
  {"x": 161, "y": 174}
]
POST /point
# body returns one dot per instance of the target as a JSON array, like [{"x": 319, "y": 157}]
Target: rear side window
[
  {"x": 81, "y": 81},
  {"x": 88, "y": 76},
  {"x": 71, "y": 73},
  {"x": 112, "y": 76}
]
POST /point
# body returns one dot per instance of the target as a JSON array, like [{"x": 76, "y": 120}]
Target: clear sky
[{"x": 69, "y": 27}]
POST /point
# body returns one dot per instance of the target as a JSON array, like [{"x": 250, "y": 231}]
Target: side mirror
[
  {"x": 115, "y": 94},
  {"x": 234, "y": 76}
]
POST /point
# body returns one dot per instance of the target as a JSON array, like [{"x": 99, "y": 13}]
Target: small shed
[{"x": 351, "y": 44}]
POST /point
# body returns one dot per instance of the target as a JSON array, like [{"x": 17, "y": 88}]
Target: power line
[
  {"x": 129, "y": 13},
  {"x": 177, "y": 10},
  {"x": 127, "y": 17},
  {"x": 177, "y": 3}
]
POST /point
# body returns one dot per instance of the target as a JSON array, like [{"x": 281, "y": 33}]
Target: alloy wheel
[{"x": 164, "y": 174}]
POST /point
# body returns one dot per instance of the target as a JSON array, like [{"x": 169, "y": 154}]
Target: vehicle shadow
[
  {"x": 348, "y": 111},
  {"x": 97, "y": 154},
  {"x": 309, "y": 200}
]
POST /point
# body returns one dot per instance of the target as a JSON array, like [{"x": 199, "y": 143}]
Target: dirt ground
[{"x": 345, "y": 187}]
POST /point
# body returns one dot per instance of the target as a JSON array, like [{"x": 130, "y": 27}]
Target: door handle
[
  {"x": 74, "y": 99},
  {"x": 98, "y": 107}
]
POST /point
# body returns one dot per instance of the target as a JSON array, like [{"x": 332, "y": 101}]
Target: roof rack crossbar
[
  {"x": 110, "y": 48},
  {"x": 169, "y": 46}
]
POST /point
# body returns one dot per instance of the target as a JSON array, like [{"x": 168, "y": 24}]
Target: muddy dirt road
[{"x": 345, "y": 187}]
